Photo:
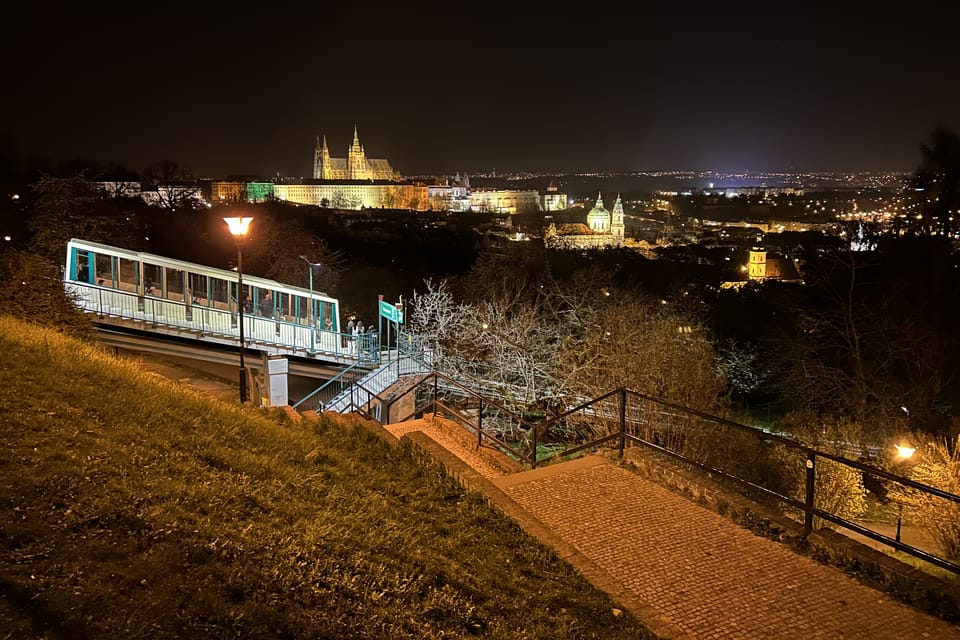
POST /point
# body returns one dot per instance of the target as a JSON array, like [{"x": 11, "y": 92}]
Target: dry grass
[{"x": 133, "y": 507}]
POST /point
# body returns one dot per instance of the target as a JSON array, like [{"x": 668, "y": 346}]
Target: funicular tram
[{"x": 186, "y": 299}]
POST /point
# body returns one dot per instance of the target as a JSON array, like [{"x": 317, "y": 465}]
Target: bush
[
  {"x": 838, "y": 488},
  {"x": 936, "y": 464},
  {"x": 31, "y": 289}
]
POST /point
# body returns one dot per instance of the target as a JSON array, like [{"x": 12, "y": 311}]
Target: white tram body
[{"x": 185, "y": 298}]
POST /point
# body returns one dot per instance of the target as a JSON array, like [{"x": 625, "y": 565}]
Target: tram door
[{"x": 82, "y": 267}]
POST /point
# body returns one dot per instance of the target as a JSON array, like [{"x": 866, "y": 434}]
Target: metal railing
[
  {"x": 276, "y": 336},
  {"x": 624, "y": 417}
]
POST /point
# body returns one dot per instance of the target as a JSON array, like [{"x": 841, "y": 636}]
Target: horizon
[{"x": 479, "y": 91}]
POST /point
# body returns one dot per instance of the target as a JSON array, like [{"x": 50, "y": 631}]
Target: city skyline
[{"x": 438, "y": 92}]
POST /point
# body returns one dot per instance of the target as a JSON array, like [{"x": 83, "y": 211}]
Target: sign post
[{"x": 391, "y": 313}]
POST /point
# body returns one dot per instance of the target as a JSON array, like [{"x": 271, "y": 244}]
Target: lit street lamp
[
  {"x": 238, "y": 229},
  {"x": 312, "y": 314},
  {"x": 903, "y": 453}
]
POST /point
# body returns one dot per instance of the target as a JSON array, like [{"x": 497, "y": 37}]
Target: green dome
[{"x": 599, "y": 218}]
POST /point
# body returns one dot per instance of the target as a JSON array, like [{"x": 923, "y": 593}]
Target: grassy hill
[{"x": 133, "y": 507}]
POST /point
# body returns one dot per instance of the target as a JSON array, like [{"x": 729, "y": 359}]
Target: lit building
[
  {"x": 603, "y": 229},
  {"x": 452, "y": 195},
  {"x": 763, "y": 266},
  {"x": 356, "y": 195},
  {"x": 356, "y": 166},
  {"x": 224, "y": 191},
  {"x": 553, "y": 200},
  {"x": 504, "y": 200}
]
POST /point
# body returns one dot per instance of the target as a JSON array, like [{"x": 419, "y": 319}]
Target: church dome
[{"x": 599, "y": 218}]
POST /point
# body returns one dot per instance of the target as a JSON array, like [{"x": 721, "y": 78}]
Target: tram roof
[{"x": 193, "y": 267}]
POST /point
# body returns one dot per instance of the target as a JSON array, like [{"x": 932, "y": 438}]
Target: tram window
[
  {"x": 266, "y": 306},
  {"x": 198, "y": 288},
  {"x": 283, "y": 304},
  {"x": 174, "y": 284},
  {"x": 128, "y": 274},
  {"x": 83, "y": 266},
  {"x": 326, "y": 313},
  {"x": 248, "y": 299},
  {"x": 301, "y": 309},
  {"x": 218, "y": 291},
  {"x": 153, "y": 279},
  {"x": 104, "y": 269}
]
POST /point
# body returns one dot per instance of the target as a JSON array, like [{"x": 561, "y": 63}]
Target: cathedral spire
[
  {"x": 325, "y": 143},
  {"x": 356, "y": 138}
]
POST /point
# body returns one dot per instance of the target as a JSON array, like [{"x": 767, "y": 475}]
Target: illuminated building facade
[
  {"x": 356, "y": 195},
  {"x": 603, "y": 229},
  {"x": 504, "y": 200},
  {"x": 452, "y": 195},
  {"x": 356, "y": 166},
  {"x": 228, "y": 191},
  {"x": 553, "y": 200}
]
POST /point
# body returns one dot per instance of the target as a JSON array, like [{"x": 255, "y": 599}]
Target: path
[{"x": 696, "y": 573}]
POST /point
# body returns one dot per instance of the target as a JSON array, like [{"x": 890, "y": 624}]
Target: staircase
[{"x": 369, "y": 389}]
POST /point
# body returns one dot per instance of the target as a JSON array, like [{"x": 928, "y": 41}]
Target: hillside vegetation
[{"x": 134, "y": 507}]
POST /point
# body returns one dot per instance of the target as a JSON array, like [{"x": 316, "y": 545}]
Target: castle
[{"x": 356, "y": 166}]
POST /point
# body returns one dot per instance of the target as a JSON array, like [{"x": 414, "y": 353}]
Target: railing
[
  {"x": 623, "y": 417},
  {"x": 359, "y": 389},
  {"x": 279, "y": 336},
  {"x": 322, "y": 395}
]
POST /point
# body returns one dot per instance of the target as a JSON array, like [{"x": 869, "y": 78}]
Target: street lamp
[
  {"x": 238, "y": 229},
  {"x": 312, "y": 314},
  {"x": 904, "y": 453}
]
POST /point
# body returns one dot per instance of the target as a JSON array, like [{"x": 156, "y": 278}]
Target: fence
[{"x": 768, "y": 467}]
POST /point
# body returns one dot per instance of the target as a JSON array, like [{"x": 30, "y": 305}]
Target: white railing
[{"x": 174, "y": 317}]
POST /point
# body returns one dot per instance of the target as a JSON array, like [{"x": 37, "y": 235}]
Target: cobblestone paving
[
  {"x": 709, "y": 577},
  {"x": 455, "y": 439}
]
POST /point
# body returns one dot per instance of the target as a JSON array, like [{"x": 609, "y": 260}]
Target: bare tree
[
  {"x": 72, "y": 207},
  {"x": 173, "y": 183}
]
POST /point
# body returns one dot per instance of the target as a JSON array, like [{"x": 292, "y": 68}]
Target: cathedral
[
  {"x": 356, "y": 166},
  {"x": 603, "y": 229}
]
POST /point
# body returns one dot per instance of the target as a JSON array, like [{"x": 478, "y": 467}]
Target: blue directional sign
[{"x": 390, "y": 312}]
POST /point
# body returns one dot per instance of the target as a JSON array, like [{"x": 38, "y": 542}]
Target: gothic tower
[
  {"x": 322, "y": 168},
  {"x": 356, "y": 159},
  {"x": 326, "y": 166}
]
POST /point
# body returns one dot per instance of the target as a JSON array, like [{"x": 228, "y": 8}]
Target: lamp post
[
  {"x": 903, "y": 453},
  {"x": 238, "y": 229},
  {"x": 312, "y": 314}
]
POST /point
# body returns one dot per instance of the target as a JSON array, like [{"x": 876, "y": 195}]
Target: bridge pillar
[{"x": 276, "y": 379}]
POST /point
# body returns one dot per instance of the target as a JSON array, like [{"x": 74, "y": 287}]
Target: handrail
[
  {"x": 212, "y": 322},
  {"x": 808, "y": 506},
  {"x": 314, "y": 400}
]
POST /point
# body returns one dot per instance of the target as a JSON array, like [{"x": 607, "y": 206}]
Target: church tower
[
  {"x": 757, "y": 267},
  {"x": 356, "y": 159},
  {"x": 616, "y": 222},
  {"x": 321, "y": 161},
  {"x": 326, "y": 167}
]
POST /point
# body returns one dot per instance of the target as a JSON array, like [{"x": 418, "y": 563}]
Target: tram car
[{"x": 175, "y": 296}]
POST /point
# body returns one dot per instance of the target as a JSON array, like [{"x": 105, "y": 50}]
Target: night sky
[{"x": 471, "y": 87}]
